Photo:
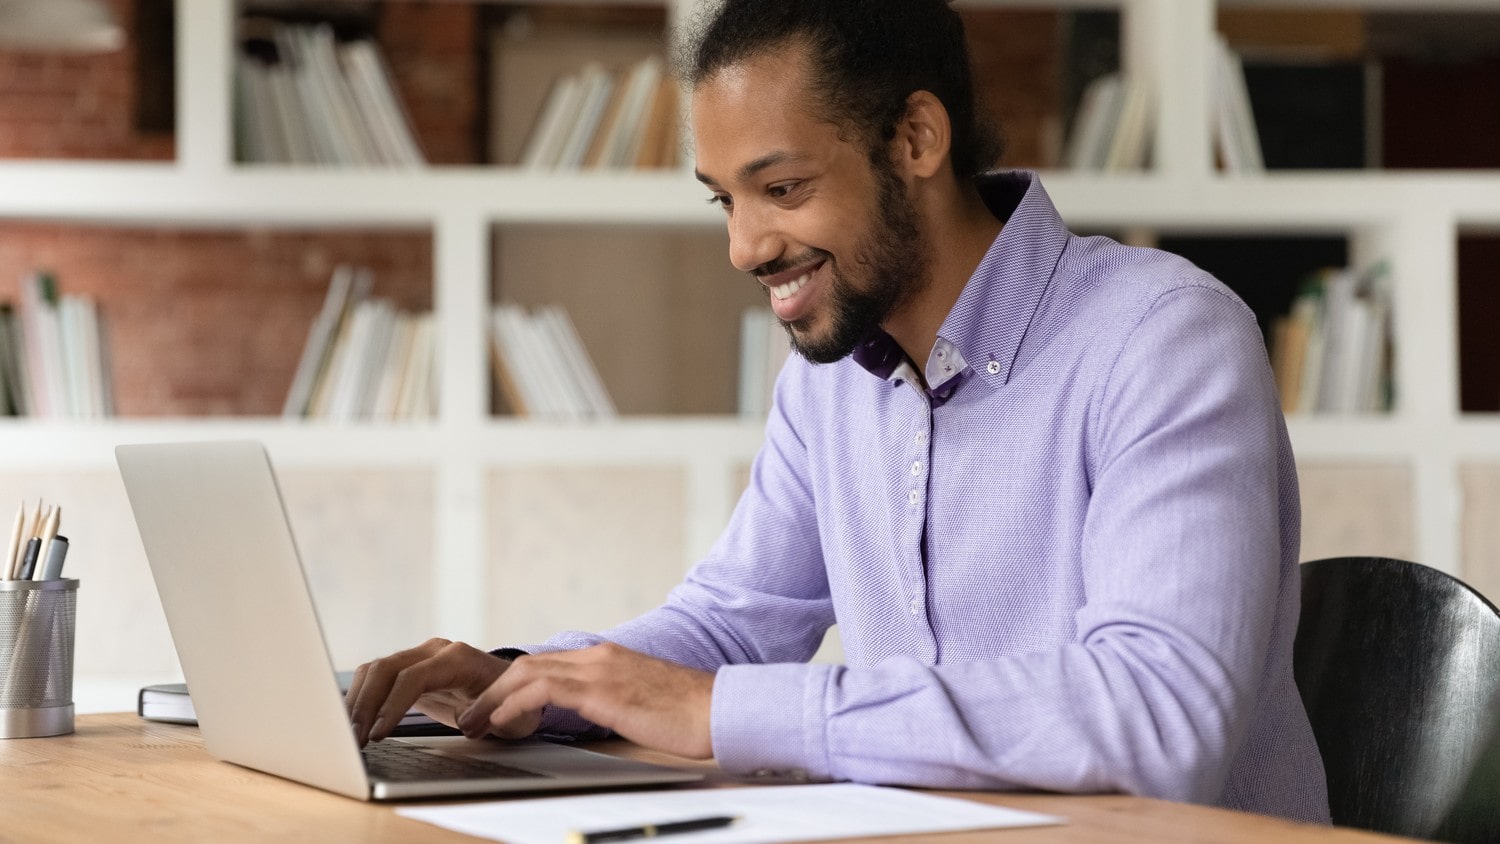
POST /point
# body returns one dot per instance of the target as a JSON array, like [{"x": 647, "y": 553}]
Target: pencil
[
  {"x": 50, "y": 526},
  {"x": 11, "y": 552},
  {"x": 33, "y": 523}
]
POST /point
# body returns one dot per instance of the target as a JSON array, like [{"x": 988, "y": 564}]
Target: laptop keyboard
[{"x": 396, "y": 762}]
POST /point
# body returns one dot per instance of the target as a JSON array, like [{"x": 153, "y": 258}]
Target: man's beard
[{"x": 894, "y": 258}]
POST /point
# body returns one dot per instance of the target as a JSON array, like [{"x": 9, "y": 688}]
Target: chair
[{"x": 1399, "y": 668}]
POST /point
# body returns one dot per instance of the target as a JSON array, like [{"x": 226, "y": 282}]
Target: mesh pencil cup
[{"x": 36, "y": 657}]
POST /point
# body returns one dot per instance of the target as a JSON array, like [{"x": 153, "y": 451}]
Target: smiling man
[{"x": 1040, "y": 482}]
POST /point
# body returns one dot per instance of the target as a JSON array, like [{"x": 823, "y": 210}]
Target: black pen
[{"x": 650, "y": 830}]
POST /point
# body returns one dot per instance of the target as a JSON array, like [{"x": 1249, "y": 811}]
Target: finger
[
  {"x": 375, "y": 680},
  {"x": 455, "y": 666},
  {"x": 355, "y": 685},
  {"x": 519, "y": 715},
  {"x": 533, "y": 672}
]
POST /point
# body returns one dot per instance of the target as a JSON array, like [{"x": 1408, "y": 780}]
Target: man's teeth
[{"x": 785, "y": 291}]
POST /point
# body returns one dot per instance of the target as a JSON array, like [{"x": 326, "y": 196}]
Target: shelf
[
  {"x": 168, "y": 195},
  {"x": 325, "y": 197},
  {"x": 27, "y": 444}
]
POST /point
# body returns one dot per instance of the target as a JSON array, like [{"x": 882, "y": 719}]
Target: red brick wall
[
  {"x": 1018, "y": 79},
  {"x": 209, "y": 323},
  {"x": 432, "y": 52},
  {"x": 57, "y": 105}
]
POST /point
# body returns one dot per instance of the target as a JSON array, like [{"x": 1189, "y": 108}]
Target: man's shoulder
[{"x": 1103, "y": 279}]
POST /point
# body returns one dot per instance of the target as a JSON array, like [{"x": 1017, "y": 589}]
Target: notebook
[{"x": 221, "y": 550}]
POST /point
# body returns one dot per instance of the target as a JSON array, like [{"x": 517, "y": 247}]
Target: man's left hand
[{"x": 652, "y": 702}]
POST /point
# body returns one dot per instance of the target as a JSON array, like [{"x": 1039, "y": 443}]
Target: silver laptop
[{"x": 221, "y": 550}]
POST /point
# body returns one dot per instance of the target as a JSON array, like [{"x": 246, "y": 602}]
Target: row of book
[
  {"x": 764, "y": 346},
  {"x": 1333, "y": 353},
  {"x": 542, "y": 369},
  {"x": 53, "y": 361},
  {"x": 302, "y": 98},
  {"x": 364, "y": 358},
  {"x": 596, "y": 118},
  {"x": 1112, "y": 127}
]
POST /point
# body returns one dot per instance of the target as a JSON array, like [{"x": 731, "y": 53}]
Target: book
[
  {"x": 544, "y": 144},
  {"x": 1094, "y": 123},
  {"x": 541, "y": 367},
  {"x": 597, "y": 83},
  {"x": 1129, "y": 141},
  {"x": 319, "y": 102},
  {"x": 319, "y": 342},
  {"x": 1234, "y": 119},
  {"x": 764, "y": 348},
  {"x": 588, "y": 393},
  {"x": 170, "y": 703}
]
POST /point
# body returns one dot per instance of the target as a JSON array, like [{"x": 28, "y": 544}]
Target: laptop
[{"x": 221, "y": 550}]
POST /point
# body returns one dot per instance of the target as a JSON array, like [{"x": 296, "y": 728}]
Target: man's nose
[{"x": 752, "y": 242}]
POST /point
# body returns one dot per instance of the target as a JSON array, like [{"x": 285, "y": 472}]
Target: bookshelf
[{"x": 502, "y": 529}]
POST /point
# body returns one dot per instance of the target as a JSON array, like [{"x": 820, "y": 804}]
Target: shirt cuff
[{"x": 769, "y": 721}]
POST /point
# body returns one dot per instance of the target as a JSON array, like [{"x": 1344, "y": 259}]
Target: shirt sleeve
[
  {"x": 1181, "y": 558},
  {"x": 760, "y": 595}
]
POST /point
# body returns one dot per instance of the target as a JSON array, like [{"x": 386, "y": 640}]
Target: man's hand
[
  {"x": 652, "y": 702},
  {"x": 440, "y": 678}
]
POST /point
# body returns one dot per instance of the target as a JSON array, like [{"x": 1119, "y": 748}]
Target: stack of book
[
  {"x": 598, "y": 119},
  {"x": 364, "y": 359},
  {"x": 541, "y": 367},
  {"x": 309, "y": 100},
  {"x": 1332, "y": 353},
  {"x": 1111, "y": 130},
  {"x": 53, "y": 362},
  {"x": 764, "y": 346}
]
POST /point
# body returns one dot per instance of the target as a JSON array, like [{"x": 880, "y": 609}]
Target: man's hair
[{"x": 868, "y": 56}]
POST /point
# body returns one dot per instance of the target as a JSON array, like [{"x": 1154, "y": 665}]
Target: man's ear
[{"x": 924, "y": 136}]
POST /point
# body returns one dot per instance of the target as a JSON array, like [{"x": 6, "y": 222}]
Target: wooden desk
[{"x": 121, "y": 779}]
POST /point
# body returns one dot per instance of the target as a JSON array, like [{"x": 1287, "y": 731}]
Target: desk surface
[{"x": 122, "y": 779}]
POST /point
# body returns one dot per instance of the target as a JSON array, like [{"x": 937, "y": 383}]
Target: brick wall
[
  {"x": 209, "y": 323},
  {"x": 57, "y": 105},
  {"x": 1017, "y": 64},
  {"x": 432, "y": 51}
]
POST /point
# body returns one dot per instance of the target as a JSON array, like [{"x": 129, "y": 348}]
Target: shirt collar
[
  {"x": 986, "y": 325},
  {"x": 995, "y": 309}
]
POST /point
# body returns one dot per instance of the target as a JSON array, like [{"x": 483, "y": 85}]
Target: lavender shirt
[{"x": 1072, "y": 566}]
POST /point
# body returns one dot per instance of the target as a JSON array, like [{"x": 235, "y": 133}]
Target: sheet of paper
[{"x": 767, "y": 814}]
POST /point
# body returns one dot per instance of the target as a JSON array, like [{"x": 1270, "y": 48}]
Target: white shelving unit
[{"x": 1412, "y": 219}]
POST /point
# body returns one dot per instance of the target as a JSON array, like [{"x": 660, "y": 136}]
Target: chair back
[{"x": 1399, "y": 668}]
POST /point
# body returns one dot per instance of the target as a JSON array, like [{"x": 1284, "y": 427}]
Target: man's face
[{"x": 832, "y": 237}]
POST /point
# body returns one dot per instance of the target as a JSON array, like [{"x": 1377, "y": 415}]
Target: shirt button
[
  {"x": 993, "y": 368},
  {"x": 921, "y": 438},
  {"x": 916, "y": 467},
  {"x": 914, "y": 497},
  {"x": 941, "y": 354},
  {"x": 916, "y": 606}
]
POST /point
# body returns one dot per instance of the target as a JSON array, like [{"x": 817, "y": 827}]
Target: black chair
[{"x": 1399, "y": 668}]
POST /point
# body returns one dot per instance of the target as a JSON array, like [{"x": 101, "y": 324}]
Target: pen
[
  {"x": 650, "y": 830},
  {"x": 57, "y": 551}
]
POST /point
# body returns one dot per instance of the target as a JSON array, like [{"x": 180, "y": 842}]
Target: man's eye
[
  {"x": 721, "y": 200},
  {"x": 781, "y": 191}
]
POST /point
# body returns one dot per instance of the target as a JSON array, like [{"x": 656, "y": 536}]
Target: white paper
[{"x": 766, "y": 813}]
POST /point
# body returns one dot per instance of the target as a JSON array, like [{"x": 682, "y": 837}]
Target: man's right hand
[{"x": 438, "y": 677}]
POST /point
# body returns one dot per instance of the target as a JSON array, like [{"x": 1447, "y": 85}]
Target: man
[{"x": 1041, "y": 482}]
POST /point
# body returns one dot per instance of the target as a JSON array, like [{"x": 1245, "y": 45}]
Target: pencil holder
[{"x": 36, "y": 657}]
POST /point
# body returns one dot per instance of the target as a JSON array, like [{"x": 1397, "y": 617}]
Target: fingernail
[{"x": 375, "y": 727}]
